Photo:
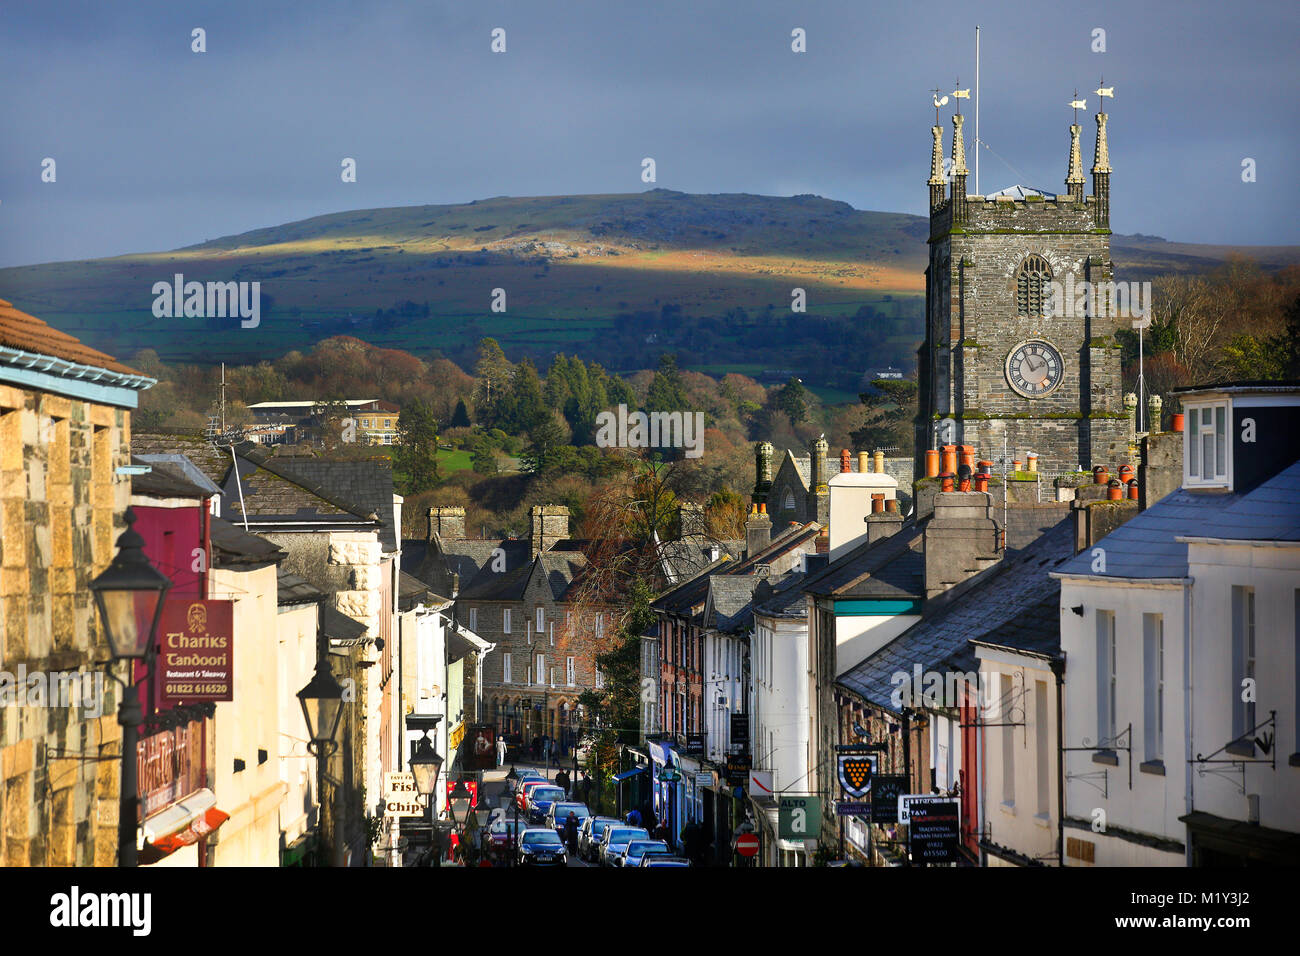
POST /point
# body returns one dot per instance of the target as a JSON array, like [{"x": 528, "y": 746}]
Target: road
[{"x": 493, "y": 793}]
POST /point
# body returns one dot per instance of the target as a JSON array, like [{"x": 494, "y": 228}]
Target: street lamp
[
  {"x": 322, "y": 708},
  {"x": 425, "y": 765},
  {"x": 129, "y": 595},
  {"x": 458, "y": 803}
]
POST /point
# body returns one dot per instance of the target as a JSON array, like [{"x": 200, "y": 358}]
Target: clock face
[{"x": 1034, "y": 368}]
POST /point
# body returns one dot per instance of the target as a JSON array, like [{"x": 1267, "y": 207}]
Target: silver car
[
  {"x": 589, "y": 836},
  {"x": 616, "y": 839}
]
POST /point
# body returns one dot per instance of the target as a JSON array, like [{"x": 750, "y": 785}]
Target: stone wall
[{"x": 61, "y": 507}]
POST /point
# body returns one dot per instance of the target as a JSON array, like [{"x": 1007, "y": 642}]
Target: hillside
[{"x": 616, "y": 278}]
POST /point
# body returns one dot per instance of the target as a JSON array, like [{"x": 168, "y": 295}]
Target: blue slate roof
[
  {"x": 1148, "y": 545},
  {"x": 1001, "y": 594}
]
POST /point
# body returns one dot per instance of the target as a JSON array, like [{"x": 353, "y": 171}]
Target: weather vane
[
  {"x": 1077, "y": 104},
  {"x": 960, "y": 94},
  {"x": 1104, "y": 90},
  {"x": 938, "y": 102}
]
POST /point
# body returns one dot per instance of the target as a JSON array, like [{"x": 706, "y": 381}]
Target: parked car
[
  {"x": 616, "y": 839},
  {"x": 539, "y": 846},
  {"x": 501, "y": 836},
  {"x": 659, "y": 859},
  {"x": 540, "y": 800},
  {"x": 525, "y": 788},
  {"x": 637, "y": 849},
  {"x": 589, "y": 834},
  {"x": 558, "y": 815}
]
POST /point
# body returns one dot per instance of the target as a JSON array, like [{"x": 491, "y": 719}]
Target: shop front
[{"x": 178, "y": 812}]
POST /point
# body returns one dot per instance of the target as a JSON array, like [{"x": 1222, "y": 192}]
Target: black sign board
[
  {"x": 694, "y": 745},
  {"x": 935, "y": 831},
  {"x": 740, "y": 730},
  {"x": 859, "y": 748},
  {"x": 738, "y": 768},
  {"x": 886, "y": 789}
]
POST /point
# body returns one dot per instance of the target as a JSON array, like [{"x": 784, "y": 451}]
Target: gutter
[{"x": 63, "y": 368}]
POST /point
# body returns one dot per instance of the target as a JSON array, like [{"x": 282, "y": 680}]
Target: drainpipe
[
  {"x": 1058, "y": 670},
  {"x": 1188, "y": 799}
]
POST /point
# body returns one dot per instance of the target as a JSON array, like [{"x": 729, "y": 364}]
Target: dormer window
[
  {"x": 1206, "y": 461},
  {"x": 1033, "y": 286}
]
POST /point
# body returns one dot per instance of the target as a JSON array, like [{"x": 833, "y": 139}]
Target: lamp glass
[
  {"x": 425, "y": 764},
  {"x": 322, "y": 705}
]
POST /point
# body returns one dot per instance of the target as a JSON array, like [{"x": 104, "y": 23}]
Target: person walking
[
  {"x": 571, "y": 832},
  {"x": 562, "y": 780},
  {"x": 501, "y": 751},
  {"x": 586, "y": 789}
]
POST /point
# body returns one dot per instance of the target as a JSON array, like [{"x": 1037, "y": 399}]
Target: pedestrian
[
  {"x": 537, "y": 747},
  {"x": 571, "y": 832},
  {"x": 586, "y": 789},
  {"x": 501, "y": 751},
  {"x": 634, "y": 817},
  {"x": 562, "y": 780}
]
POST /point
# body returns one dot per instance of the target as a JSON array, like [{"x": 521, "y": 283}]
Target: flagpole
[{"x": 977, "y": 111}]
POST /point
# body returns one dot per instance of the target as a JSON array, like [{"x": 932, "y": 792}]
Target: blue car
[{"x": 540, "y": 800}]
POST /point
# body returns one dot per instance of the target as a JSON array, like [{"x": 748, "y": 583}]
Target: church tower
[{"x": 998, "y": 362}]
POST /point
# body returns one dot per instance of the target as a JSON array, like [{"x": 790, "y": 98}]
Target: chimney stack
[
  {"x": 447, "y": 522},
  {"x": 758, "y": 531},
  {"x": 550, "y": 524},
  {"x": 961, "y": 539}
]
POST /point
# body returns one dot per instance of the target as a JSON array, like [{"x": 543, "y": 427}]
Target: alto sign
[{"x": 799, "y": 818}]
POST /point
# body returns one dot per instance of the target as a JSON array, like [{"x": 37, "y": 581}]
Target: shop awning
[
  {"x": 629, "y": 773},
  {"x": 181, "y": 824}
]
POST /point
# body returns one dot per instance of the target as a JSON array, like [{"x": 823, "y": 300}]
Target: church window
[
  {"x": 1033, "y": 286},
  {"x": 788, "y": 503}
]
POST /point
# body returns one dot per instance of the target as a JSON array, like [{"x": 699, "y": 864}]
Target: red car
[{"x": 525, "y": 790}]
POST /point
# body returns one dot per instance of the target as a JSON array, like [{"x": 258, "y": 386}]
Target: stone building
[
  {"x": 520, "y": 595},
  {"x": 64, "y": 432},
  {"x": 997, "y": 364},
  {"x": 799, "y": 490}
]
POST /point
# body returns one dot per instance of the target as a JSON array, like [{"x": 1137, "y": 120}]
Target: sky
[{"x": 156, "y": 146}]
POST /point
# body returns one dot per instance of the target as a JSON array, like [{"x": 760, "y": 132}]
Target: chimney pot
[
  {"x": 1100, "y": 475},
  {"x": 1125, "y": 473},
  {"x": 877, "y": 504},
  {"x": 891, "y": 506},
  {"x": 1033, "y": 461},
  {"x": 879, "y": 463},
  {"x": 967, "y": 455},
  {"x": 1177, "y": 421},
  {"x": 946, "y": 478},
  {"x": 863, "y": 468},
  {"x": 986, "y": 467},
  {"x": 1114, "y": 489},
  {"x": 1133, "y": 489},
  {"x": 932, "y": 464},
  {"x": 950, "y": 459},
  {"x": 981, "y": 482},
  {"x": 846, "y": 463}
]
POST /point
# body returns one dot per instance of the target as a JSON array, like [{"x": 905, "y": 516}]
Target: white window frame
[
  {"x": 1153, "y": 661},
  {"x": 541, "y": 620},
  {"x": 539, "y": 668},
  {"x": 600, "y": 624},
  {"x": 1042, "y": 749},
  {"x": 473, "y": 619},
  {"x": 507, "y": 672},
  {"x": 1195, "y": 431},
  {"x": 1245, "y": 650},
  {"x": 570, "y": 671},
  {"x": 1008, "y": 745},
  {"x": 505, "y": 620},
  {"x": 1106, "y": 678}
]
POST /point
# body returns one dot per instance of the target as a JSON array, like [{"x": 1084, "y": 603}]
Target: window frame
[{"x": 1194, "y": 434}]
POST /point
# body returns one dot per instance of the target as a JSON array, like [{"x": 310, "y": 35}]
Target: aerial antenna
[{"x": 977, "y": 111}]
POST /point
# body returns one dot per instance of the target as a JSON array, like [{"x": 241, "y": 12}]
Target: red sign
[
  {"x": 196, "y": 657},
  {"x": 470, "y": 785},
  {"x": 169, "y": 766},
  {"x": 747, "y": 844}
]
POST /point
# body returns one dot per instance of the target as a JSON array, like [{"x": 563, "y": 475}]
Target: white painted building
[{"x": 1165, "y": 625}]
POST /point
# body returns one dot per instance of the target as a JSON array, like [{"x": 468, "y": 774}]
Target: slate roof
[
  {"x": 1027, "y": 522},
  {"x": 358, "y": 486},
  {"x": 786, "y": 598},
  {"x": 295, "y": 590},
  {"x": 891, "y": 568},
  {"x": 729, "y": 607},
  {"x": 213, "y": 462},
  {"x": 411, "y": 591},
  {"x": 997, "y": 596},
  {"x": 1150, "y": 546},
  {"x": 166, "y": 480},
  {"x": 337, "y": 626},
  {"x": 1269, "y": 512},
  {"x": 18, "y": 330},
  {"x": 1036, "y": 630},
  {"x": 233, "y": 545}
]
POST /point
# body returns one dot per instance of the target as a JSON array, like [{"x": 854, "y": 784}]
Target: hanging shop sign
[
  {"x": 196, "y": 653},
  {"x": 885, "y": 791},
  {"x": 935, "y": 831},
  {"x": 855, "y": 773},
  {"x": 401, "y": 798},
  {"x": 740, "y": 730},
  {"x": 799, "y": 818}
]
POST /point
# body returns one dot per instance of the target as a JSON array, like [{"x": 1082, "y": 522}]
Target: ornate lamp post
[
  {"x": 129, "y": 595},
  {"x": 425, "y": 765},
  {"x": 322, "y": 709}
]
